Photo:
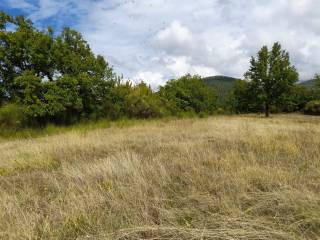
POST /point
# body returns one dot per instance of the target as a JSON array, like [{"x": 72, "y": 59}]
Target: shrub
[
  {"x": 243, "y": 98},
  {"x": 312, "y": 108},
  {"x": 189, "y": 94},
  {"x": 142, "y": 102},
  {"x": 294, "y": 100},
  {"x": 12, "y": 116}
]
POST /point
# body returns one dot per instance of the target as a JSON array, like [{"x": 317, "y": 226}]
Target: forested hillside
[
  {"x": 309, "y": 83},
  {"x": 223, "y": 85}
]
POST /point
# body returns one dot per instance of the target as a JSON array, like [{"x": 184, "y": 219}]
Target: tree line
[
  {"x": 56, "y": 78},
  {"x": 270, "y": 84}
]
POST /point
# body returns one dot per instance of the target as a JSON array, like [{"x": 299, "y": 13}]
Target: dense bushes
[
  {"x": 65, "y": 100},
  {"x": 189, "y": 94},
  {"x": 139, "y": 101},
  {"x": 243, "y": 99},
  {"x": 12, "y": 116},
  {"x": 294, "y": 100},
  {"x": 313, "y": 108}
]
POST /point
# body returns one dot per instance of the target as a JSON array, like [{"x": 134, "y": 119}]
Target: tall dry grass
[{"x": 239, "y": 177}]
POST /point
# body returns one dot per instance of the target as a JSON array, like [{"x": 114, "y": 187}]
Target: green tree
[
  {"x": 22, "y": 49},
  {"x": 29, "y": 93},
  {"x": 55, "y": 77},
  {"x": 317, "y": 90},
  {"x": 189, "y": 93},
  {"x": 243, "y": 98},
  {"x": 72, "y": 55},
  {"x": 295, "y": 99},
  {"x": 62, "y": 102},
  {"x": 94, "y": 91},
  {"x": 58, "y": 101},
  {"x": 317, "y": 79},
  {"x": 271, "y": 75}
]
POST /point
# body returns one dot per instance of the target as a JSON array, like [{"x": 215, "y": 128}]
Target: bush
[
  {"x": 189, "y": 94},
  {"x": 243, "y": 98},
  {"x": 312, "y": 108},
  {"x": 142, "y": 102},
  {"x": 12, "y": 116},
  {"x": 294, "y": 100}
]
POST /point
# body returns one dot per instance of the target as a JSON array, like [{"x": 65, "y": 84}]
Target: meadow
[{"x": 223, "y": 177}]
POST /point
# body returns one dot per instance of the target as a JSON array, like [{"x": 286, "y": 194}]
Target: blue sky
[{"x": 155, "y": 40}]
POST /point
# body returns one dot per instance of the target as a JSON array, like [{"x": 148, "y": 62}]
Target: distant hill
[
  {"x": 309, "y": 83},
  {"x": 222, "y": 83},
  {"x": 223, "y": 86}
]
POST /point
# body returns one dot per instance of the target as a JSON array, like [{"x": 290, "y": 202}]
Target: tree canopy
[
  {"x": 55, "y": 77},
  {"x": 271, "y": 75}
]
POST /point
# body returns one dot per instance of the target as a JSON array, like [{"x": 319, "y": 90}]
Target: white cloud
[
  {"x": 20, "y": 4},
  {"x": 301, "y": 7},
  {"x": 154, "y": 79},
  {"x": 180, "y": 66},
  {"x": 175, "y": 39},
  {"x": 48, "y": 8},
  {"x": 161, "y": 39}
]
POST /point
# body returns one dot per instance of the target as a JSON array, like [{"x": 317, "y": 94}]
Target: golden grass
[{"x": 237, "y": 177}]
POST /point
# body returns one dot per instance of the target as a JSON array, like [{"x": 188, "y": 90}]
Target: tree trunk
[{"x": 267, "y": 111}]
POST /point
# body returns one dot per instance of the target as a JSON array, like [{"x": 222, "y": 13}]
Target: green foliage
[
  {"x": 222, "y": 83},
  {"x": 223, "y": 86},
  {"x": 73, "y": 56},
  {"x": 317, "y": 86},
  {"x": 189, "y": 94},
  {"x": 243, "y": 99},
  {"x": 55, "y": 79},
  {"x": 58, "y": 101},
  {"x": 62, "y": 102},
  {"x": 94, "y": 91},
  {"x": 134, "y": 102},
  {"x": 115, "y": 103},
  {"x": 141, "y": 102},
  {"x": 12, "y": 116},
  {"x": 309, "y": 83},
  {"x": 23, "y": 49},
  {"x": 270, "y": 85},
  {"x": 313, "y": 108},
  {"x": 317, "y": 81},
  {"x": 271, "y": 75},
  {"x": 28, "y": 89},
  {"x": 314, "y": 86},
  {"x": 295, "y": 99}
]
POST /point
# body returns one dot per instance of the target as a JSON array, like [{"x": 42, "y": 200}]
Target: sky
[{"x": 156, "y": 40}]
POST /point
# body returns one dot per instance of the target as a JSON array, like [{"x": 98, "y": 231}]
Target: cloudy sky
[{"x": 156, "y": 40}]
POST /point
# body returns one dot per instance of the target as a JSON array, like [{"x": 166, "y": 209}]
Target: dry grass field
[{"x": 237, "y": 177}]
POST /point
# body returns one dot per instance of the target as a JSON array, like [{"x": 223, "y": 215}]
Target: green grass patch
[{"x": 83, "y": 127}]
